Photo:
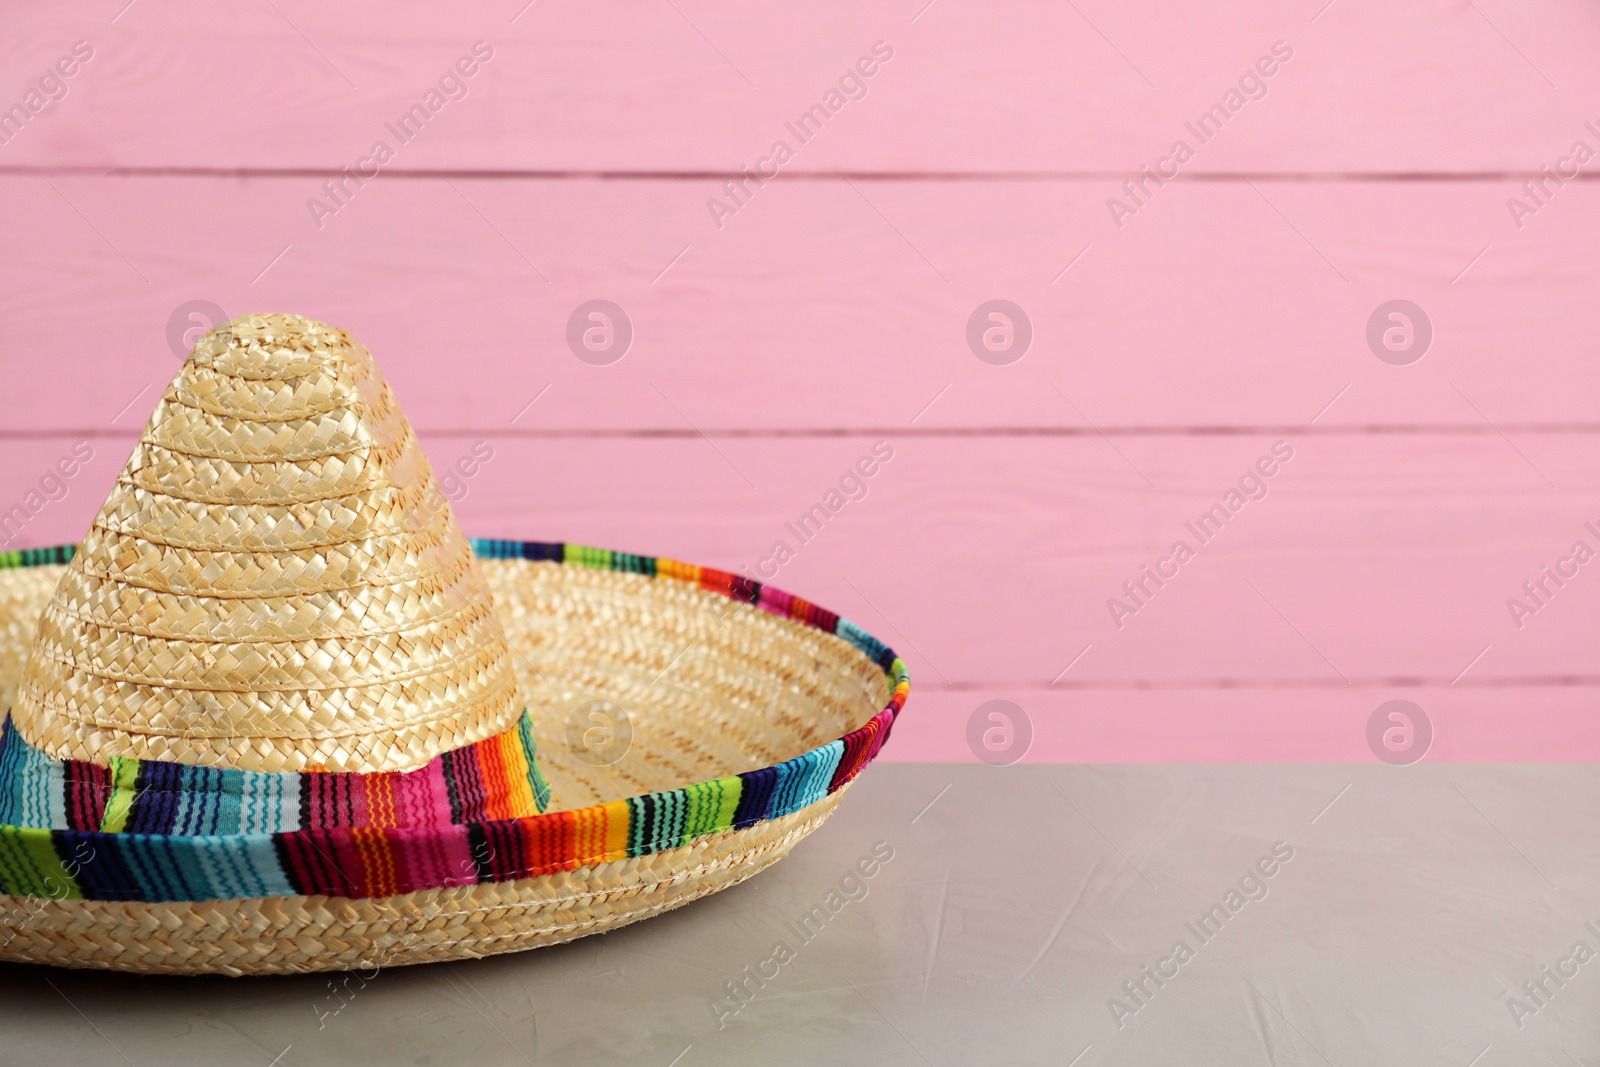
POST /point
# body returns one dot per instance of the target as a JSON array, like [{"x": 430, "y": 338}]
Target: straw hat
[{"x": 276, "y": 713}]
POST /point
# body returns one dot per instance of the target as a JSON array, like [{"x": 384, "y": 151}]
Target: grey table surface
[{"x": 1416, "y": 903}]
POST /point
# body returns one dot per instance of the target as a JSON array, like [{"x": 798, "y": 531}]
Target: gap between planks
[
  {"x": 780, "y": 432},
  {"x": 519, "y": 174}
]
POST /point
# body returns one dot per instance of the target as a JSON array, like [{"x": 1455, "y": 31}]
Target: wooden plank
[
  {"x": 824, "y": 304},
  {"x": 1250, "y": 724},
  {"x": 1372, "y": 562},
  {"x": 696, "y": 86}
]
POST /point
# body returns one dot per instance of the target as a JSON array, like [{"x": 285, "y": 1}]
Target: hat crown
[{"x": 275, "y": 582}]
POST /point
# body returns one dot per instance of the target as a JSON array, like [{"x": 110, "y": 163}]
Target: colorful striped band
[
  {"x": 497, "y": 778},
  {"x": 66, "y": 859}
]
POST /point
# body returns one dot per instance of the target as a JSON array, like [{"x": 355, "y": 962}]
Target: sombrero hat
[{"x": 276, "y": 713}]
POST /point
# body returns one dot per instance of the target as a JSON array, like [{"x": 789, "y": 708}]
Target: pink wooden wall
[{"x": 1228, "y": 312}]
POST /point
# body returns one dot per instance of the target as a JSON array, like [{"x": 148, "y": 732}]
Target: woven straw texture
[
  {"x": 286, "y": 935},
  {"x": 274, "y": 584},
  {"x": 707, "y": 686}
]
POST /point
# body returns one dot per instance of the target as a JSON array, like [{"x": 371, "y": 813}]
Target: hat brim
[{"x": 732, "y": 717}]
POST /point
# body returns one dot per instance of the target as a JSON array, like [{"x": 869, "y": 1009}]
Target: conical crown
[{"x": 275, "y": 583}]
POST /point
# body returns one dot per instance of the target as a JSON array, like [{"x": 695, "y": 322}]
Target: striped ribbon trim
[
  {"x": 497, "y": 778},
  {"x": 36, "y": 557},
  {"x": 371, "y": 861}
]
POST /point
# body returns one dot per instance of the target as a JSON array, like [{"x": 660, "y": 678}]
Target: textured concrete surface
[{"x": 1415, "y": 903}]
